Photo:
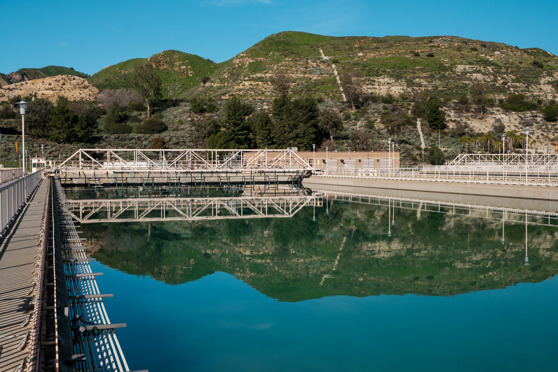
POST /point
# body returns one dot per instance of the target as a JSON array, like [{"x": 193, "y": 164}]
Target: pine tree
[{"x": 435, "y": 116}]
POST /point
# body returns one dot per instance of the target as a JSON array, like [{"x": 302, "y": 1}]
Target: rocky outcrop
[{"x": 72, "y": 87}]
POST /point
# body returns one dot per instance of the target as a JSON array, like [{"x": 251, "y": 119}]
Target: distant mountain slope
[
  {"x": 26, "y": 74},
  {"x": 398, "y": 65},
  {"x": 179, "y": 72},
  {"x": 72, "y": 87}
]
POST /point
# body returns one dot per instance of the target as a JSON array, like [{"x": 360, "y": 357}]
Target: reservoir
[{"x": 337, "y": 282}]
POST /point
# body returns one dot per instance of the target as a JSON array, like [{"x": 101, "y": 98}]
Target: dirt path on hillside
[{"x": 334, "y": 73}]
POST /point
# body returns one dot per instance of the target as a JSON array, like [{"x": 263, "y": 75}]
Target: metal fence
[
  {"x": 10, "y": 174},
  {"x": 504, "y": 175},
  {"x": 13, "y": 196}
]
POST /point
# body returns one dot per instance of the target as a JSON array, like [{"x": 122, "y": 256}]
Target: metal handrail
[
  {"x": 503, "y": 175},
  {"x": 13, "y": 197}
]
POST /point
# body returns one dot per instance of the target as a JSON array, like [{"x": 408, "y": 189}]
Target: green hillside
[
  {"x": 60, "y": 70},
  {"x": 39, "y": 73},
  {"x": 179, "y": 72},
  {"x": 445, "y": 64}
]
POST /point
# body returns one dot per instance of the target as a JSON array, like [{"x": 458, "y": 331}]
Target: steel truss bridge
[
  {"x": 185, "y": 160},
  {"x": 189, "y": 209},
  {"x": 532, "y": 161},
  {"x": 182, "y": 166}
]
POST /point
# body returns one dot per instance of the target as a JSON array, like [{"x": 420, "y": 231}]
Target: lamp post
[
  {"x": 389, "y": 157},
  {"x": 326, "y": 160},
  {"x": 503, "y": 155},
  {"x": 393, "y": 154},
  {"x": 22, "y": 110},
  {"x": 314, "y": 152},
  {"x": 526, "y": 151}
]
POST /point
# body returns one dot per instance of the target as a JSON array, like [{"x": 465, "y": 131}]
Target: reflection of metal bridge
[
  {"x": 531, "y": 217},
  {"x": 189, "y": 209},
  {"x": 110, "y": 166}
]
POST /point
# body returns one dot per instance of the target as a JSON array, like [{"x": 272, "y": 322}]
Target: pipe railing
[
  {"x": 13, "y": 197},
  {"x": 503, "y": 175}
]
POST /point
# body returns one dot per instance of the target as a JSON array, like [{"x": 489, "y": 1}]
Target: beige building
[{"x": 352, "y": 162}]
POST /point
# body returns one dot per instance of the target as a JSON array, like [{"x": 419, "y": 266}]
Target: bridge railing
[
  {"x": 184, "y": 160},
  {"x": 511, "y": 175},
  {"x": 548, "y": 160},
  {"x": 13, "y": 196}
]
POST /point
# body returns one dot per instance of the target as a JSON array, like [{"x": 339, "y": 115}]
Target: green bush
[
  {"x": 517, "y": 103},
  {"x": 435, "y": 156},
  {"x": 117, "y": 128},
  {"x": 7, "y": 112},
  {"x": 201, "y": 105},
  {"x": 116, "y": 114},
  {"x": 550, "y": 113},
  {"x": 153, "y": 125}
]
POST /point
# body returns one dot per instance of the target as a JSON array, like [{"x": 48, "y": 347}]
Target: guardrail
[
  {"x": 10, "y": 174},
  {"x": 504, "y": 175},
  {"x": 13, "y": 197}
]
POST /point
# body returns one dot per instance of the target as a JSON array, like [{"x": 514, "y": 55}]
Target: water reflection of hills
[{"x": 342, "y": 248}]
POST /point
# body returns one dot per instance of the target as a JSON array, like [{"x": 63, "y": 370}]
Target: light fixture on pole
[
  {"x": 503, "y": 155},
  {"x": 314, "y": 152},
  {"x": 22, "y": 110},
  {"x": 393, "y": 153},
  {"x": 389, "y": 157},
  {"x": 327, "y": 159},
  {"x": 526, "y": 151}
]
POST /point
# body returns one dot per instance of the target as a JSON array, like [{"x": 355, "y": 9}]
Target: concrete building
[{"x": 352, "y": 162}]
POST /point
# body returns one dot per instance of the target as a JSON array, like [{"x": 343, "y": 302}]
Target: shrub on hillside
[
  {"x": 537, "y": 64},
  {"x": 435, "y": 156},
  {"x": 158, "y": 143},
  {"x": 517, "y": 103},
  {"x": 202, "y": 105},
  {"x": 117, "y": 128},
  {"x": 7, "y": 112},
  {"x": 550, "y": 113},
  {"x": 152, "y": 125},
  {"x": 116, "y": 114}
]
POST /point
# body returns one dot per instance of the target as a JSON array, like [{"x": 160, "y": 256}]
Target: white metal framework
[
  {"x": 531, "y": 160},
  {"x": 184, "y": 160},
  {"x": 189, "y": 209},
  {"x": 95, "y": 345}
]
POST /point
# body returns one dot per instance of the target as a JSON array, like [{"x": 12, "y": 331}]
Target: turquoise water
[
  {"x": 331, "y": 290},
  {"x": 219, "y": 323}
]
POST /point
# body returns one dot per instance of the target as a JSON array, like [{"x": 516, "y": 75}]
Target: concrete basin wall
[{"x": 543, "y": 198}]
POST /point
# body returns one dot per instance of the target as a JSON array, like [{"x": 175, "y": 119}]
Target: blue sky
[{"x": 90, "y": 35}]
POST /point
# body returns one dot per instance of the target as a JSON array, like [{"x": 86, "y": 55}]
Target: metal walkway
[
  {"x": 20, "y": 261},
  {"x": 52, "y": 316},
  {"x": 95, "y": 345}
]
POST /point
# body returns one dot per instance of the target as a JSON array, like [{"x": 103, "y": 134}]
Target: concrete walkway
[{"x": 20, "y": 255}]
